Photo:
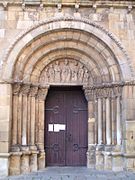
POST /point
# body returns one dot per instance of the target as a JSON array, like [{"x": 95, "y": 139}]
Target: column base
[
  {"x": 33, "y": 159},
  {"x": 108, "y": 158},
  {"x": 117, "y": 159},
  {"x": 15, "y": 163},
  {"x": 25, "y": 159},
  {"x": 91, "y": 160},
  {"x": 99, "y": 157},
  {"x": 41, "y": 160}
]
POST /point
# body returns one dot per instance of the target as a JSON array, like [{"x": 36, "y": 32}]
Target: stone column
[
  {"x": 113, "y": 117},
  {"x": 108, "y": 122},
  {"x": 89, "y": 94},
  {"x": 15, "y": 149},
  {"x": 119, "y": 135},
  {"x": 117, "y": 158},
  {"x": 20, "y": 118},
  {"x": 42, "y": 93},
  {"x": 33, "y": 147},
  {"x": 16, "y": 89},
  {"x": 25, "y": 90},
  {"x": 33, "y": 93},
  {"x": 25, "y": 168},
  {"x": 100, "y": 140}
]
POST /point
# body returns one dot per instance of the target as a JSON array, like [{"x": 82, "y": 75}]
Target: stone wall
[{"x": 118, "y": 17}]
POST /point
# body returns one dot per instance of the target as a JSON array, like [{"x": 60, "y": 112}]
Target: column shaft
[
  {"x": 108, "y": 122},
  {"x": 20, "y": 109},
  {"x": 118, "y": 122},
  {"x": 24, "y": 124},
  {"x": 100, "y": 140},
  {"x": 91, "y": 123},
  {"x": 15, "y": 123},
  {"x": 33, "y": 116},
  {"x": 113, "y": 117}
]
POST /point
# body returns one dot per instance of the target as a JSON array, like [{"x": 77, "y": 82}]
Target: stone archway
[{"x": 66, "y": 43}]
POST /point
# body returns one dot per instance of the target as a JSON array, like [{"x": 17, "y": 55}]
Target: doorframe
[{"x": 75, "y": 87}]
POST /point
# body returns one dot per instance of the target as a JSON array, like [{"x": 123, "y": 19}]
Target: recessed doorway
[{"x": 66, "y": 127}]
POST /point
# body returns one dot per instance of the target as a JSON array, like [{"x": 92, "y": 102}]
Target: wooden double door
[{"x": 66, "y": 127}]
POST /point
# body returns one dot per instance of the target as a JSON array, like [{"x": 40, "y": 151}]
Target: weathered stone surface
[
  {"x": 15, "y": 164},
  {"x": 91, "y": 37},
  {"x": 4, "y": 164}
]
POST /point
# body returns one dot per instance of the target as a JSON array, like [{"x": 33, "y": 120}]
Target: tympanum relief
[{"x": 65, "y": 71}]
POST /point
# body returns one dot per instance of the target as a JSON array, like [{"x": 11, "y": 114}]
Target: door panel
[
  {"x": 55, "y": 141},
  {"x": 66, "y": 147}
]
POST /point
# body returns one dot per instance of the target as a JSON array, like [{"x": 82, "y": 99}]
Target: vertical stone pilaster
[
  {"x": 42, "y": 93},
  {"x": 89, "y": 94},
  {"x": 33, "y": 93},
  {"x": 16, "y": 89}
]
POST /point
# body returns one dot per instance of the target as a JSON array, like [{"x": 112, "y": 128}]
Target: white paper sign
[
  {"x": 59, "y": 127},
  {"x": 56, "y": 128},
  {"x": 50, "y": 127},
  {"x": 62, "y": 127}
]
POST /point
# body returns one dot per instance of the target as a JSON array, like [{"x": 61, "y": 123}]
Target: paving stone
[{"x": 73, "y": 173}]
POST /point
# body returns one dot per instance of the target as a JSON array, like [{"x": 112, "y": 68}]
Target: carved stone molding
[
  {"x": 89, "y": 93},
  {"x": 42, "y": 93},
  {"x": 65, "y": 71},
  {"x": 33, "y": 91},
  {"x": 16, "y": 88},
  {"x": 25, "y": 89}
]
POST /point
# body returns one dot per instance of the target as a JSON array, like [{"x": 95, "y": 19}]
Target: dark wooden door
[{"x": 66, "y": 127}]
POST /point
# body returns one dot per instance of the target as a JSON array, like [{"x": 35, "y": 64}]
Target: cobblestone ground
[{"x": 73, "y": 173}]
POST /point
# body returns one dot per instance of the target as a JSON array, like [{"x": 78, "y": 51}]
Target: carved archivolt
[{"x": 65, "y": 71}]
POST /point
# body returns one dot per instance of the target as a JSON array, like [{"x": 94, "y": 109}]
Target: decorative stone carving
[
  {"x": 42, "y": 93},
  {"x": 25, "y": 89},
  {"x": 33, "y": 91},
  {"x": 16, "y": 88},
  {"x": 65, "y": 71},
  {"x": 89, "y": 94}
]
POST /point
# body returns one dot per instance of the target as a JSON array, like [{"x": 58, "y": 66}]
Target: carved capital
[
  {"x": 25, "y": 89},
  {"x": 42, "y": 93},
  {"x": 16, "y": 88},
  {"x": 99, "y": 93},
  {"x": 89, "y": 94},
  {"x": 107, "y": 92},
  {"x": 117, "y": 91},
  {"x": 33, "y": 91}
]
